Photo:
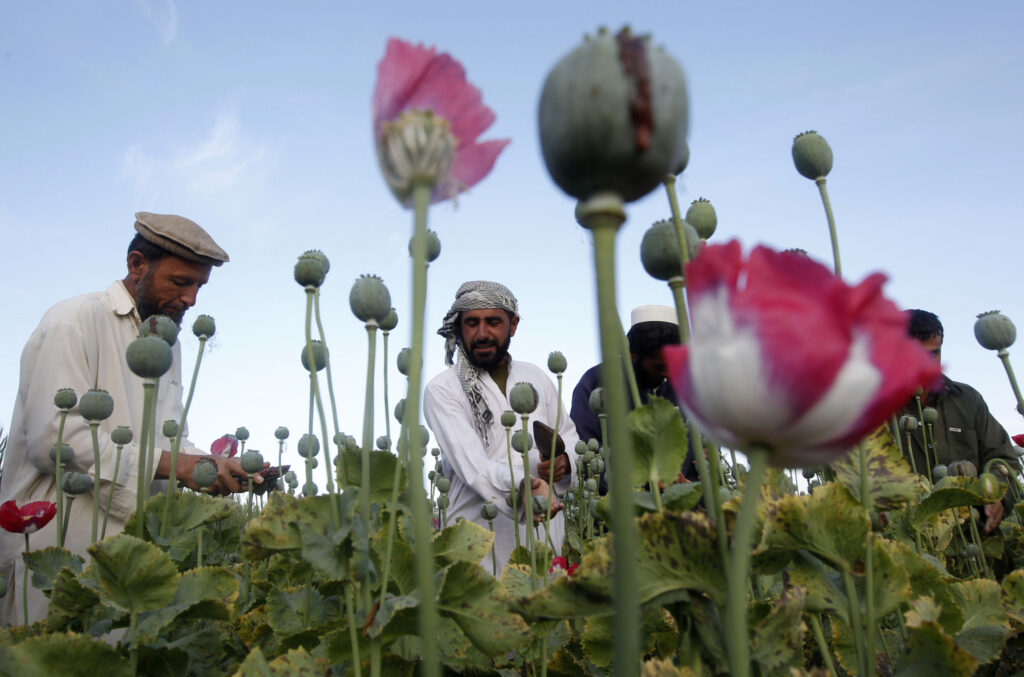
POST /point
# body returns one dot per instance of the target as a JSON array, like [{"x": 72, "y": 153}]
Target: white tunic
[
  {"x": 80, "y": 344},
  {"x": 480, "y": 474}
]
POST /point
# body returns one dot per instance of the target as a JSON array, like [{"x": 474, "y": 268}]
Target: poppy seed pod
[
  {"x": 940, "y": 471},
  {"x": 908, "y": 423},
  {"x": 204, "y": 326},
  {"x": 149, "y": 357},
  {"x": 701, "y": 215},
  {"x": 383, "y": 442},
  {"x": 443, "y": 484},
  {"x": 65, "y": 399},
  {"x": 930, "y": 414},
  {"x": 557, "y": 362},
  {"x": 76, "y": 483},
  {"x": 659, "y": 249},
  {"x": 435, "y": 452},
  {"x": 400, "y": 410},
  {"x": 252, "y": 461},
  {"x": 590, "y": 485},
  {"x": 684, "y": 159},
  {"x": 431, "y": 475},
  {"x": 96, "y": 405},
  {"x": 162, "y": 326},
  {"x": 613, "y": 117},
  {"x": 523, "y": 398},
  {"x": 242, "y": 433},
  {"x": 311, "y": 268},
  {"x": 812, "y": 155},
  {"x": 291, "y": 478},
  {"x": 319, "y": 355},
  {"x": 121, "y": 435},
  {"x": 308, "y": 446},
  {"x": 995, "y": 331},
  {"x": 369, "y": 299},
  {"x": 597, "y": 401},
  {"x": 488, "y": 511},
  {"x": 390, "y": 321},
  {"x": 204, "y": 472},
  {"x": 442, "y": 501},
  {"x": 309, "y": 489},
  {"x": 540, "y": 505},
  {"x": 508, "y": 418},
  {"x": 518, "y": 442},
  {"x": 67, "y": 454},
  {"x": 281, "y": 433},
  {"x": 403, "y": 360},
  {"x": 593, "y": 445},
  {"x": 433, "y": 246},
  {"x": 170, "y": 428},
  {"x": 962, "y": 469},
  {"x": 989, "y": 487},
  {"x": 581, "y": 447}
]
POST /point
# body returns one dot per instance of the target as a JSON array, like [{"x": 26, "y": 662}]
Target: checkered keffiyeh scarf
[{"x": 476, "y": 295}]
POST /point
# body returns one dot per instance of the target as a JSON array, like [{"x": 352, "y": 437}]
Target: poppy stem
[
  {"x": 24, "y": 578},
  {"x": 1005, "y": 357},
  {"x": 737, "y": 638},
  {"x": 831, "y": 223},
  {"x": 94, "y": 431},
  {"x": 60, "y": 478},
  {"x": 427, "y": 612},
  {"x": 515, "y": 503},
  {"x": 110, "y": 494},
  {"x": 330, "y": 392}
]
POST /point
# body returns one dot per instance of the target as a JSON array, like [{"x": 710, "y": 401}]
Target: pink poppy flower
[
  {"x": 225, "y": 446},
  {"x": 785, "y": 355},
  {"x": 27, "y": 519},
  {"x": 414, "y": 78},
  {"x": 1019, "y": 440},
  {"x": 558, "y": 563},
  {"x": 572, "y": 568}
]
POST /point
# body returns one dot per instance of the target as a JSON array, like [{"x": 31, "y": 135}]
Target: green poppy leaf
[
  {"x": 52, "y": 654},
  {"x": 890, "y": 481},
  {"x": 46, "y": 563},
  {"x": 463, "y": 541},
  {"x": 479, "y": 606},
  {"x": 133, "y": 574},
  {"x": 658, "y": 434}
]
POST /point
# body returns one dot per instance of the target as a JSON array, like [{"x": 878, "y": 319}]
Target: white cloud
[
  {"x": 217, "y": 163},
  {"x": 163, "y": 14}
]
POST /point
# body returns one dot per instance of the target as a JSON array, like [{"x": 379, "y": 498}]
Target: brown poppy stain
[{"x": 634, "y": 61}]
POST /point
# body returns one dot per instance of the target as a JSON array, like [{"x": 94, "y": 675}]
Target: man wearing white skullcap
[
  {"x": 80, "y": 344},
  {"x": 652, "y": 327},
  {"x": 463, "y": 407}
]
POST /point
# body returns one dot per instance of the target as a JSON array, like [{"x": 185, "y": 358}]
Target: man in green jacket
[{"x": 964, "y": 429}]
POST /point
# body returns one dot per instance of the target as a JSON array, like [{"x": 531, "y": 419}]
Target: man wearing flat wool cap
[{"x": 80, "y": 344}]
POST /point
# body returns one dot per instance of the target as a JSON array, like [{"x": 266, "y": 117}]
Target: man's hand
[
  {"x": 228, "y": 470},
  {"x": 540, "y": 488},
  {"x": 562, "y": 468},
  {"x": 994, "y": 515}
]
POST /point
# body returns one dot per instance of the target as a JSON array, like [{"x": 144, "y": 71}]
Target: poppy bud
[
  {"x": 204, "y": 326},
  {"x": 995, "y": 331},
  {"x": 65, "y": 399},
  {"x": 812, "y": 155},
  {"x": 557, "y": 362},
  {"x": 97, "y": 405},
  {"x": 508, "y": 418},
  {"x": 701, "y": 215},
  {"x": 523, "y": 398},
  {"x": 252, "y": 461},
  {"x": 369, "y": 299},
  {"x": 121, "y": 435},
  {"x": 311, "y": 268}
]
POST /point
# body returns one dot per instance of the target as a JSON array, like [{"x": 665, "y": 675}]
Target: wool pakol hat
[{"x": 181, "y": 237}]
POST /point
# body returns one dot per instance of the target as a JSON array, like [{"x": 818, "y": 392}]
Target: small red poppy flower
[
  {"x": 572, "y": 568},
  {"x": 225, "y": 446},
  {"x": 27, "y": 519},
  {"x": 1019, "y": 440},
  {"x": 558, "y": 563}
]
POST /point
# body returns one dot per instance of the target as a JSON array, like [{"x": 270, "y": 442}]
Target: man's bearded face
[
  {"x": 486, "y": 336},
  {"x": 169, "y": 286}
]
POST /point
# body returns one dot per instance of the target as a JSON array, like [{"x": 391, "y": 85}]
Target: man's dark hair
[
  {"x": 149, "y": 250},
  {"x": 648, "y": 338},
  {"x": 923, "y": 325}
]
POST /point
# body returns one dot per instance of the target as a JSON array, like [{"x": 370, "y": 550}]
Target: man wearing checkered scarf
[{"x": 463, "y": 407}]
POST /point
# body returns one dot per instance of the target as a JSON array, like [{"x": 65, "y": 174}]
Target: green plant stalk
[
  {"x": 1004, "y": 356},
  {"x": 148, "y": 413},
  {"x": 151, "y": 441},
  {"x": 24, "y": 577},
  {"x": 494, "y": 555},
  {"x": 551, "y": 465},
  {"x": 910, "y": 453},
  {"x": 392, "y": 523},
  {"x": 684, "y": 256},
  {"x": 737, "y": 638},
  {"x": 508, "y": 450},
  {"x": 627, "y": 365},
  {"x": 971, "y": 563},
  {"x": 60, "y": 478},
  {"x": 309, "y": 459},
  {"x": 330, "y": 381},
  {"x": 353, "y": 636},
  {"x": 427, "y": 611},
  {"x": 856, "y": 623},
  {"x": 67, "y": 516},
  {"x": 248, "y": 509},
  {"x": 603, "y": 215},
  {"x": 869, "y": 570},
  {"x": 676, "y": 284},
  {"x": 831, "y": 223},
  {"x": 364, "y": 478},
  {"x": 924, "y": 438},
  {"x": 819, "y": 638},
  {"x": 384, "y": 377},
  {"x": 94, "y": 432},
  {"x": 976, "y": 538},
  {"x": 110, "y": 494},
  {"x": 528, "y": 501},
  {"x": 314, "y": 385},
  {"x": 134, "y": 651}
]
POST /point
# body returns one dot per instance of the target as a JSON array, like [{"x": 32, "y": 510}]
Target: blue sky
[{"x": 253, "y": 119}]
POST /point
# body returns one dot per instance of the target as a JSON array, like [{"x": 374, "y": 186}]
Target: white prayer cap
[{"x": 653, "y": 314}]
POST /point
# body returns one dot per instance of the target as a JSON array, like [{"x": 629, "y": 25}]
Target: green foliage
[
  {"x": 68, "y": 654},
  {"x": 133, "y": 574},
  {"x": 890, "y": 482},
  {"x": 659, "y": 442}
]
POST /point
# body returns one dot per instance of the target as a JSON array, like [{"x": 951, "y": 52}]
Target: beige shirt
[{"x": 80, "y": 344}]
